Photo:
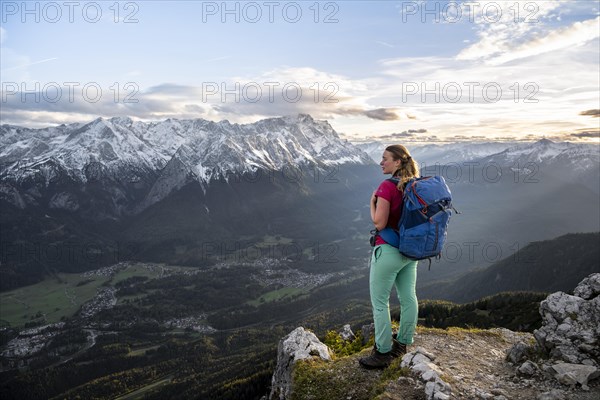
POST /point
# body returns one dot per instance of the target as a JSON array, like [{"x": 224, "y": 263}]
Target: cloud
[
  {"x": 574, "y": 35},
  {"x": 536, "y": 94},
  {"x": 500, "y": 29},
  {"x": 379, "y": 114},
  {"x": 173, "y": 89},
  {"x": 290, "y": 92},
  {"x": 69, "y": 105},
  {"x": 593, "y": 113},
  {"x": 382, "y": 114},
  {"x": 402, "y": 135},
  {"x": 284, "y": 91},
  {"x": 408, "y": 134},
  {"x": 194, "y": 108},
  {"x": 594, "y": 133}
]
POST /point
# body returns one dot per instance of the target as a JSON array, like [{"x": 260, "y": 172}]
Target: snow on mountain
[
  {"x": 374, "y": 149},
  {"x": 442, "y": 154},
  {"x": 569, "y": 162},
  {"x": 579, "y": 156},
  {"x": 461, "y": 152},
  {"x": 205, "y": 148},
  {"x": 576, "y": 156}
]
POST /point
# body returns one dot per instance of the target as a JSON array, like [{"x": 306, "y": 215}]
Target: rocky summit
[
  {"x": 300, "y": 344},
  {"x": 558, "y": 362}
]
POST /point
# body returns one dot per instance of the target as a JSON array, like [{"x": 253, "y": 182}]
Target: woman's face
[{"x": 388, "y": 165}]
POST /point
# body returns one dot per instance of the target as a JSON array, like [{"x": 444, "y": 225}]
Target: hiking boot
[
  {"x": 398, "y": 349},
  {"x": 376, "y": 359}
]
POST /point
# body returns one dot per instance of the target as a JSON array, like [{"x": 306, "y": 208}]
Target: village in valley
[{"x": 275, "y": 275}]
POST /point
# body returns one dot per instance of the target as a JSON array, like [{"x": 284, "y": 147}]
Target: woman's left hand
[{"x": 374, "y": 198}]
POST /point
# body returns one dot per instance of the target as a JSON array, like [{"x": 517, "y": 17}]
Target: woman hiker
[{"x": 389, "y": 267}]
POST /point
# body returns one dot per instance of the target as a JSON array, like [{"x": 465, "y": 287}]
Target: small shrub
[{"x": 341, "y": 347}]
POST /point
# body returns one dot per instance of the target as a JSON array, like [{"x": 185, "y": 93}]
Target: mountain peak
[
  {"x": 121, "y": 120},
  {"x": 305, "y": 117},
  {"x": 544, "y": 142}
]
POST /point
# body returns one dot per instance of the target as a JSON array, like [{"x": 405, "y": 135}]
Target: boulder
[
  {"x": 528, "y": 368},
  {"x": 571, "y": 324},
  {"x": 570, "y": 374},
  {"x": 589, "y": 287},
  {"x": 347, "y": 334},
  {"x": 298, "y": 345},
  {"x": 517, "y": 353}
]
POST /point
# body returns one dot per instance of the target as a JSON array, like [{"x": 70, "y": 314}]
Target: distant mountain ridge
[
  {"x": 503, "y": 153},
  {"x": 542, "y": 266},
  {"x": 125, "y": 151},
  {"x": 269, "y": 143}
]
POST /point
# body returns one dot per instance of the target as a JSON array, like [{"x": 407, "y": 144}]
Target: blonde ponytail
[{"x": 408, "y": 168}]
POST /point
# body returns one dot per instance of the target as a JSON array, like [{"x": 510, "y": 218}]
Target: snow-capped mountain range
[
  {"x": 576, "y": 157},
  {"x": 157, "y": 158},
  {"x": 209, "y": 149},
  {"x": 581, "y": 156}
]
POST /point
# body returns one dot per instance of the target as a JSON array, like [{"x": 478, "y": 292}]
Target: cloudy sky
[{"x": 425, "y": 70}]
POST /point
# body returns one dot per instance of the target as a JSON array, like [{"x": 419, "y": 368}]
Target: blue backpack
[{"x": 426, "y": 211}]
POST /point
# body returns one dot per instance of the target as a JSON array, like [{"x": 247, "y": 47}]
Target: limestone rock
[
  {"x": 517, "y": 353},
  {"x": 347, "y": 334},
  {"x": 298, "y": 345},
  {"x": 589, "y": 287},
  {"x": 528, "y": 368},
  {"x": 571, "y": 324},
  {"x": 441, "y": 396},
  {"x": 569, "y": 374},
  {"x": 421, "y": 362},
  {"x": 421, "y": 350}
]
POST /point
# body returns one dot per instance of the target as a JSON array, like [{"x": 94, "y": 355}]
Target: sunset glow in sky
[{"x": 473, "y": 70}]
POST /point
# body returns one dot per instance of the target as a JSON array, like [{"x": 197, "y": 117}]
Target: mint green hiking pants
[{"x": 390, "y": 268}]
